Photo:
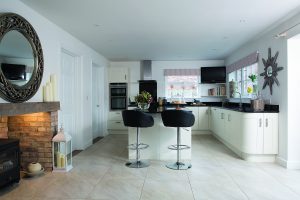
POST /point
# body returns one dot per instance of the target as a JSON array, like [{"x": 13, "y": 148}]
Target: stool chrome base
[
  {"x": 178, "y": 166},
  {"x": 138, "y": 164}
]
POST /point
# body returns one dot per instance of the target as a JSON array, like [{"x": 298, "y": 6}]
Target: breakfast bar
[{"x": 159, "y": 138}]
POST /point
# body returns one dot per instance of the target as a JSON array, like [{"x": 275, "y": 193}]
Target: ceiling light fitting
[{"x": 284, "y": 33}]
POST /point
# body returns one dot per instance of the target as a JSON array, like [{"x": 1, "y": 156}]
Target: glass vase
[{"x": 143, "y": 106}]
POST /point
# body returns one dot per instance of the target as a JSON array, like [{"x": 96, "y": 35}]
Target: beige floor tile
[
  {"x": 167, "y": 190},
  {"x": 224, "y": 189},
  {"x": 115, "y": 189}
]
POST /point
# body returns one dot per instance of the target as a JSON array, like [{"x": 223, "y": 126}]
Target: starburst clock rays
[{"x": 271, "y": 70}]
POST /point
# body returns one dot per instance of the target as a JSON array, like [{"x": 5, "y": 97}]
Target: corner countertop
[{"x": 246, "y": 108}]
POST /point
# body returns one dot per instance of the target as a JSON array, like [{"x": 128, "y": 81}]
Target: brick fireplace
[{"x": 34, "y": 124}]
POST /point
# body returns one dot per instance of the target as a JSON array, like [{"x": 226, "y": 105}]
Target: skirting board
[
  {"x": 125, "y": 132},
  {"x": 247, "y": 157},
  {"x": 206, "y": 132},
  {"x": 288, "y": 164}
]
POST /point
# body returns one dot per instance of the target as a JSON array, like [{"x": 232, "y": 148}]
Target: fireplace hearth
[{"x": 34, "y": 125}]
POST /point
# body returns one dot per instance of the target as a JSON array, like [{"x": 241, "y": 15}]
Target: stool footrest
[
  {"x": 139, "y": 146},
  {"x": 180, "y": 147}
]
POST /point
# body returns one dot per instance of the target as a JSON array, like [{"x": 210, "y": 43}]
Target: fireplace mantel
[{"x": 11, "y": 109}]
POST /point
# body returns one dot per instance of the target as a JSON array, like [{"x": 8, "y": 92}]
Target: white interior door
[
  {"x": 97, "y": 101},
  {"x": 67, "y": 92}
]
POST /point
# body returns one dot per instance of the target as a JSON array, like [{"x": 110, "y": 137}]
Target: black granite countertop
[{"x": 246, "y": 108}]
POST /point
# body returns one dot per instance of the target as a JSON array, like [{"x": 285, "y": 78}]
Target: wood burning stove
[{"x": 9, "y": 161}]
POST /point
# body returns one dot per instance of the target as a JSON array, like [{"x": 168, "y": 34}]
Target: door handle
[
  {"x": 260, "y": 122},
  {"x": 267, "y": 122}
]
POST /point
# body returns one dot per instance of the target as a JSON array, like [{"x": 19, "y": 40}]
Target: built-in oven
[{"x": 118, "y": 96}]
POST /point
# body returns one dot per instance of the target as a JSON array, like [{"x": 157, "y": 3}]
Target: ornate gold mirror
[{"x": 21, "y": 59}]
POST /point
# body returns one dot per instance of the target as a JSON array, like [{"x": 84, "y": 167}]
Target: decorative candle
[
  {"x": 47, "y": 93},
  {"x": 58, "y": 160},
  {"x": 62, "y": 160},
  {"x": 44, "y": 94},
  {"x": 53, "y": 80},
  {"x": 50, "y": 97}
]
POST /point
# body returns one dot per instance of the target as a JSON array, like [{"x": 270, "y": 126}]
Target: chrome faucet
[{"x": 240, "y": 104}]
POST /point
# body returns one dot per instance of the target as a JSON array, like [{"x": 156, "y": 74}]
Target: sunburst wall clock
[{"x": 271, "y": 70}]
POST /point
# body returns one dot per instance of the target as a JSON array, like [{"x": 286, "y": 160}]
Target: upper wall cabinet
[{"x": 118, "y": 75}]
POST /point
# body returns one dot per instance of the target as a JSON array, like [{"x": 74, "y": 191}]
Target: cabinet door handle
[
  {"x": 222, "y": 115},
  {"x": 118, "y": 113},
  {"x": 125, "y": 76},
  {"x": 206, "y": 112},
  {"x": 260, "y": 122},
  {"x": 228, "y": 118},
  {"x": 118, "y": 122},
  {"x": 267, "y": 122}
]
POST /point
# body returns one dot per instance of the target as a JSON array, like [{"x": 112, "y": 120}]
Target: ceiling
[{"x": 164, "y": 29}]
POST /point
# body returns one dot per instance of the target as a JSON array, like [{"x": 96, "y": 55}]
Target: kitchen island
[{"x": 159, "y": 137}]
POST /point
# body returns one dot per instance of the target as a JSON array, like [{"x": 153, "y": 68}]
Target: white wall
[
  {"x": 158, "y": 71},
  {"x": 279, "y": 93},
  {"x": 293, "y": 101},
  {"x": 53, "y": 40}
]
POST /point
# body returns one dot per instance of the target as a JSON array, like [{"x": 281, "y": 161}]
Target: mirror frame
[
  {"x": 11, "y": 92},
  {"x": 271, "y": 63}
]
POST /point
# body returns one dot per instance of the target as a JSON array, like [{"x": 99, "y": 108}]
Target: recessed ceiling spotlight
[
  {"x": 225, "y": 38},
  {"x": 97, "y": 25},
  {"x": 242, "y": 21}
]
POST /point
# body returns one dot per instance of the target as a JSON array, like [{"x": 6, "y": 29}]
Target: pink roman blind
[
  {"x": 182, "y": 72},
  {"x": 246, "y": 61}
]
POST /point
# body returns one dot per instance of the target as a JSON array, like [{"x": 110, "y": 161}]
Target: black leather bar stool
[
  {"x": 138, "y": 119},
  {"x": 178, "y": 118}
]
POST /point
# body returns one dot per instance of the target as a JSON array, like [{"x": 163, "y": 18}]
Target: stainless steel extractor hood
[{"x": 146, "y": 70}]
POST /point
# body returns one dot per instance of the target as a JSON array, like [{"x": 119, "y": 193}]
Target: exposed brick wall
[
  {"x": 3, "y": 127},
  {"x": 35, "y": 132}
]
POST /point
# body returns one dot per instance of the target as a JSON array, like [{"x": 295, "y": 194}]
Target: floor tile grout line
[
  {"x": 144, "y": 183},
  {"x": 278, "y": 181},
  {"x": 191, "y": 185},
  {"x": 225, "y": 169}
]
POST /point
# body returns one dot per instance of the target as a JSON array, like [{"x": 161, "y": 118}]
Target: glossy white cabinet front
[{"x": 250, "y": 135}]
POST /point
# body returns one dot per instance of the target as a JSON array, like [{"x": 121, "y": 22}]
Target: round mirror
[
  {"x": 269, "y": 71},
  {"x": 16, "y": 58},
  {"x": 21, "y": 59}
]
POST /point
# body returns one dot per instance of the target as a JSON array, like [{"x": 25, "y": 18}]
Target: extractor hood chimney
[{"x": 146, "y": 70}]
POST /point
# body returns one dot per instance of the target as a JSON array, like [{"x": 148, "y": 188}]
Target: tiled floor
[{"x": 99, "y": 173}]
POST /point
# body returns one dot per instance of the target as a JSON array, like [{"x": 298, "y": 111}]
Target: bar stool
[
  {"x": 138, "y": 119},
  {"x": 178, "y": 119}
]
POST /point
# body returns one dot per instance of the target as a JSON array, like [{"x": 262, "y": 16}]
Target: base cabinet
[
  {"x": 248, "y": 134},
  {"x": 115, "y": 121},
  {"x": 201, "y": 118}
]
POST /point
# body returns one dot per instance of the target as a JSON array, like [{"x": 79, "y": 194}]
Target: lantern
[{"x": 62, "y": 151}]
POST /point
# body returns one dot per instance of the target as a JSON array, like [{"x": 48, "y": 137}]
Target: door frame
[
  {"x": 77, "y": 89},
  {"x": 102, "y": 93}
]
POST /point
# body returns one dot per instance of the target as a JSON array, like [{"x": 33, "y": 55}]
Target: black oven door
[
  {"x": 115, "y": 92},
  {"x": 118, "y": 103}
]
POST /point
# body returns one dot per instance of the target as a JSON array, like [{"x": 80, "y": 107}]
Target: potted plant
[
  {"x": 253, "y": 78},
  {"x": 143, "y": 100}
]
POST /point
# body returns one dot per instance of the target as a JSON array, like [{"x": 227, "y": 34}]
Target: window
[
  {"x": 181, "y": 86},
  {"x": 241, "y": 77}
]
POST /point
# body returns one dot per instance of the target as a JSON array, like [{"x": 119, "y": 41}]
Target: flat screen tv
[
  {"x": 213, "y": 74},
  {"x": 13, "y": 71}
]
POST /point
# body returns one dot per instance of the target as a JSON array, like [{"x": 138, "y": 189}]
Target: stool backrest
[
  {"x": 136, "y": 118},
  {"x": 178, "y": 118}
]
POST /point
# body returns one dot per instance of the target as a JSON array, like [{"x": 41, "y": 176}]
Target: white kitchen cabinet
[
  {"x": 253, "y": 136},
  {"x": 203, "y": 118},
  {"x": 195, "y": 111},
  {"x": 115, "y": 121},
  {"x": 260, "y": 133},
  {"x": 118, "y": 74}
]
